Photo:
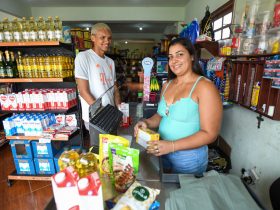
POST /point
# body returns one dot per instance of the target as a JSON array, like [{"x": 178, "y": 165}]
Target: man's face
[{"x": 101, "y": 40}]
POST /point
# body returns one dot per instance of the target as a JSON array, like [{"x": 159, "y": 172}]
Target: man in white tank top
[{"x": 95, "y": 72}]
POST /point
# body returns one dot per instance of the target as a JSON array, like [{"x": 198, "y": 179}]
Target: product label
[
  {"x": 42, "y": 35},
  {"x": 140, "y": 193},
  {"x": 8, "y": 36},
  {"x": 1, "y": 37},
  {"x": 33, "y": 35},
  {"x": 58, "y": 34},
  {"x": 25, "y": 35},
  {"x": 50, "y": 35},
  {"x": 17, "y": 36},
  {"x": 24, "y": 167}
]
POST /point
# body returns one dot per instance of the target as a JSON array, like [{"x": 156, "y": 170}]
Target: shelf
[
  {"x": 29, "y": 44},
  {"x": 251, "y": 56},
  {"x": 15, "y": 176},
  {"x": 61, "y": 111},
  {"x": 212, "y": 47},
  {"x": 26, "y": 80}
]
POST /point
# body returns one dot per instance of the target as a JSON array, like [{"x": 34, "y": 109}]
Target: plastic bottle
[
  {"x": 58, "y": 29},
  {"x": 16, "y": 28},
  {"x": 20, "y": 65},
  {"x": 25, "y": 29},
  {"x": 50, "y": 29},
  {"x": 42, "y": 35},
  {"x": 86, "y": 164},
  {"x": 33, "y": 33},
  {"x": 68, "y": 158},
  {"x": 1, "y": 32},
  {"x": 8, "y": 36}
]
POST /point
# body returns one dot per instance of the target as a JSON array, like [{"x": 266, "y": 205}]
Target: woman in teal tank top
[{"x": 189, "y": 113}]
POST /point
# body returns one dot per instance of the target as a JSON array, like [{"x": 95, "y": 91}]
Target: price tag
[{"x": 45, "y": 140}]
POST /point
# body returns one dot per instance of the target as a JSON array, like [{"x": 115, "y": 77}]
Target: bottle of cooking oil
[
  {"x": 1, "y": 32},
  {"x": 33, "y": 33},
  {"x": 68, "y": 158},
  {"x": 59, "y": 65},
  {"x": 58, "y": 28},
  {"x": 16, "y": 26},
  {"x": 48, "y": 66},
  {"x": 8, "y": 65},
  {"x": 42, "y": 34},
  {"x": 50, "y": 29},
  {"x": 20, "y": 65},
  {"x": 25, "y": 29},
  {"x": 2, "y": 66},
  {"x": 8, "y": 36},
  {"x": 34, "y": 66},
  {"x": 41, "y": 66},
  {"x": 86, "y": 164},
  {"x": 27, "y": 66}
]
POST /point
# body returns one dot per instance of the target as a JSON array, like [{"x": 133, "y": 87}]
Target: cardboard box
[
  {"x": 21, "y": 149},
  {"x": 145, "y": 135},
  {"x": 44, "y": 166},
  {"x": 24, "y": 166},
  {"x": 46, "y": 150}
]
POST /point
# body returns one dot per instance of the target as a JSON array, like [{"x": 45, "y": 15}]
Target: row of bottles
[
  {"x": 36, "y": 66},
  {"x": 31, "y": 30},
  {"x": 8, "y": 66}
]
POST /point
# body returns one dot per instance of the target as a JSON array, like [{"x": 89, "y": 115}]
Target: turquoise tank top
[{"x": 180, "y": 119}]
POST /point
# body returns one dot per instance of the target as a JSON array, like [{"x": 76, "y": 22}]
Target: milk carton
[
  {"x": 90, "y": 191},
  {"x": 65, "y": 189}
]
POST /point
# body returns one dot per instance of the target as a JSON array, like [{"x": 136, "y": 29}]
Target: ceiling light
[
  {"x": 125, "y": 42},
  {"x": 87, "y": 28},
  {"x": 140, "y": 28}
]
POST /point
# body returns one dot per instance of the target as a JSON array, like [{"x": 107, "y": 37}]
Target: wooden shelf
[
  {"x": 29, "y": 44},
  {"x": 25, "y": 80},
  {"x": 15, "y": 176},
  {"x": 212, "y": 47}
]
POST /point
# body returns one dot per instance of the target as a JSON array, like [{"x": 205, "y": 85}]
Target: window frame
[{"x": 220, "y": 13}]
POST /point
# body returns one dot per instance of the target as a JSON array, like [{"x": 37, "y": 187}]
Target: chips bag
[{"x": 104, "y": 140}]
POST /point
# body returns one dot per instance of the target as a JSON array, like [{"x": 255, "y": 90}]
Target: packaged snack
[
  {"x": 124, "y": 164},
  {"x": 145, "y": 135},
  {"x": 137, "y": 197},
  {"x": 104, "y": 140}
]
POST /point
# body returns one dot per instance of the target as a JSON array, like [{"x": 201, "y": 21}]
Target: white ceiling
[
  {"x": 106, "y": 3},
  {"x": 121, "y": 29}
]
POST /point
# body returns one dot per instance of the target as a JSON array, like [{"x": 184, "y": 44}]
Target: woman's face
[{"x": 180, "y": 61}]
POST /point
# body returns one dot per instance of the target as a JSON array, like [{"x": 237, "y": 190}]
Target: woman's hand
[
  {"x": 160, "y": 147},
  {"x": 140, "y": 124}
]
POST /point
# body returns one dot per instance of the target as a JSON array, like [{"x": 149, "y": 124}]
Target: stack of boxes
[{"x": 34, "y": 157}]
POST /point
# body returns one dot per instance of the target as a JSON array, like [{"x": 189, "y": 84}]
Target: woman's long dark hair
[{"x": 190, "y": 48}]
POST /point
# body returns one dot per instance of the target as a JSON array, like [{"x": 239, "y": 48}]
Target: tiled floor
[{"x": 22, "y": 195}]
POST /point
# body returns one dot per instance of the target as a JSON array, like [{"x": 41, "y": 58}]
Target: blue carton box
[
  {"x": 25, "y": 166},
  {"x": 46, "y": 150},
  {"x": 56, "y": 157},
  {"x": 21, "y": 149},
  {"x": 44, "y": 165}
]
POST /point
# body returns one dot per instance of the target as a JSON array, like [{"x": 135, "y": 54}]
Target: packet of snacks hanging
[
  {"x": 104, "y": 140},
  {"x": 124, "y": 164},
  {"x": 137, "y": 197}
]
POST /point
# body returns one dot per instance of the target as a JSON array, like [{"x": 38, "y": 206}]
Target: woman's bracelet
[{"x": 173, "y": 145}]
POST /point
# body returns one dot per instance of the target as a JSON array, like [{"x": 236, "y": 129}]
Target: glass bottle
[
  {"x": 14, "y": 65},
  {"x": 8, "y": 36},
  {"x": 33, "y": 33},
  {"x": 58, "y": 28},
  {"x": 25, "y": 29},
  {"x": 50, "y": 29},
  {"x": 2, "y": 66},
  {"x": 42, "y": 34},
  {"x": 8, "y": 65},
  {"x": 16, "y": 26},
  {"x": 1, "y": 32},
  {"x": 20, "y": 65}
]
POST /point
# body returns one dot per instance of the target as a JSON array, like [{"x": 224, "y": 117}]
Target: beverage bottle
[
  {"x": 27, "y": 66},
  {"x": 25, "y": 29},
  {"x": 20, "y": 65},
  {"x": 2, "y": 66},
  {"x": 8, "y": 36},
  {"x": 42, "y": 34},
  {"x": 34, "y": 66},
  {"x": 59, "y": 62},
  {"x": 86, "y": 164},
  {"x": 8, "y": 65},
  {"x": 41, "y": 65},
  {"x": 14, "y": 65},
  {"x": 58, "y": 28},
  {"x": 68, "y": 158},
  {"x": 1, "y": 32},
  {"x": 48, "y": 68},
  {"x": 33, "y": 33},
  {"x": 50, "y": 29},
  {"x": 16, "y": 26}
]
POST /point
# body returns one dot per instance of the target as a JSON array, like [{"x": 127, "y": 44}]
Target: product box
[
  {"x": 24, "y": 166},
  {"x": 44, "y": 166},
  {"x": 90, "y": 192},
  {"x": 64, "y": 185},
  {"x": 46, "y": 150},
  {"x": 145, "y": 135},
  {"x": 21, "y": 149}
]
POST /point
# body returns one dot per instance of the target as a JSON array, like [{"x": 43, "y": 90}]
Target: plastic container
[
  {"x": 86, "y": 164},
  {"x": 68, "y": 158}
]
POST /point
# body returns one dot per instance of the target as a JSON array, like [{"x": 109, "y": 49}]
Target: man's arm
[
  {"x": 117, "y": 97},
  {"x": 83, "y": 87}
]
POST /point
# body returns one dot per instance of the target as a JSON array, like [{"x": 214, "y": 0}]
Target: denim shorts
[{"x": 187, "y": 161}]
